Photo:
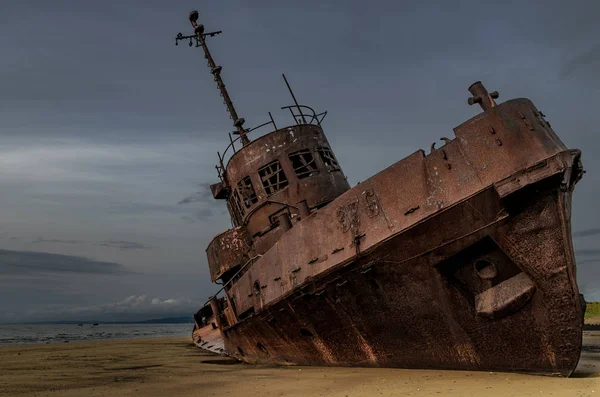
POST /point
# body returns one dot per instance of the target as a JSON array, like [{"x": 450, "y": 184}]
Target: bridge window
[
  {"x": 247, "y": 192},
  {"x": 328, "y": 159},
  {"x": 236, "y": 204},
  {"x": 272, "y": 177},
  {"x": 304, "y": 163}
]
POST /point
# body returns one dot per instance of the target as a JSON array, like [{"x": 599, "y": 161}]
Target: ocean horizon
[{"x": 24, "y": 334}]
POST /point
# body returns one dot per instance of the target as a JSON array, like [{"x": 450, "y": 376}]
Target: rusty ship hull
[
  {"x": 460, "y": 258},
  {"x": 413, "y": 301}
]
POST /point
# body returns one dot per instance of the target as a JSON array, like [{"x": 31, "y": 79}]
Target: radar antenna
[{"x": 200, "y": 38}]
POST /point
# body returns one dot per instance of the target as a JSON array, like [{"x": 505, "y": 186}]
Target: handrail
[
  {"x": 231, "y": 279},
  {"x": 300, "y": 114},
  {"x": 297, "y": 111},
  {"x": 267, "y": 201}
]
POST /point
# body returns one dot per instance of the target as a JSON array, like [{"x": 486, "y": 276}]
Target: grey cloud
[
  {"x": 141, "y": 208},
  {"x": 206, "y": 213},
  {"x": 193, "y": 198},
  {"x": 587, "y": 60},
  {"x": 46, "y": 240},
  {"x": 188, "y": 219},
  {"x": 215, "y": 210},
  {"x": 120, "y": 244},
  {"x": 211, "y": 207},
  {"x": 30, "y": 262},
  {"x": 204, "y": 194}
]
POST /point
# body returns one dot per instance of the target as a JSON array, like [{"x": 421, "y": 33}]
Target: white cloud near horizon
[
  {"x": 131, "y": 308},
  {"x": 71, "y": 160}
]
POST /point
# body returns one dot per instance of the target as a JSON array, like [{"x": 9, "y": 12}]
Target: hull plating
[{"x": 390, "y": 308}]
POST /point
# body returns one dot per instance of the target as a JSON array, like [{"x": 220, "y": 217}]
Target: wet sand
[{"x": 173, "y": 367}]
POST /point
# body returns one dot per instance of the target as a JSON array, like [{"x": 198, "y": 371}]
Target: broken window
[
  {"x": 247, "y": 192},
  {"x": 236, "y": 204},
  {"x": 272, "y": 177},
  {"x": 304, "y": 163},
  {"x": 328, "y": 159}
]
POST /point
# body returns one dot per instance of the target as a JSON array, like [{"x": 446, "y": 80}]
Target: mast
[
  {"x": 294, "y": 98},
  {"x": 200, "y": 37}
]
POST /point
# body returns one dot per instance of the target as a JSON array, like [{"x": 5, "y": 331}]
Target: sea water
[{"x": 17, "y": 334}]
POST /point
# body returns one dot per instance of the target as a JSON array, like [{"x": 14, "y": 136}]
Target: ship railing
[
  {"x": 301, "y": 114},
  {"x": 233, "y": 278},
  {"x": 305, "y": 114}
]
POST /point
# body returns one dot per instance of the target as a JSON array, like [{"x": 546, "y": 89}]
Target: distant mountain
[{"x": 166, "y": 320}]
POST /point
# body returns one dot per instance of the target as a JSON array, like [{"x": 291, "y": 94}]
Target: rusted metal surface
[
  {"x": 311, "y": 181},
  {"x": 207, "y": 335},
  {"x": 412, "y": 301},
  {"x": 227, "y": 251},
  {"x": 481, "y": 96},
  {"x": 460, "y": 259}
]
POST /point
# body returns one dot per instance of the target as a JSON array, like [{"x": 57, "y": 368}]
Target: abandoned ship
[{"x": 461, "y": 258}]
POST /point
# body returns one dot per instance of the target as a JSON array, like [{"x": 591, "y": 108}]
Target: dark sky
[{"x": 106, "y": 125}]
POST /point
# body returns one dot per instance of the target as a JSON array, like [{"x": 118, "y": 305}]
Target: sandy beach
[{"x": 174, "y": 367}]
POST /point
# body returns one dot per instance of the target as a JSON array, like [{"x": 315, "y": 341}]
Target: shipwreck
[{"x": 461, "y": 258}]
